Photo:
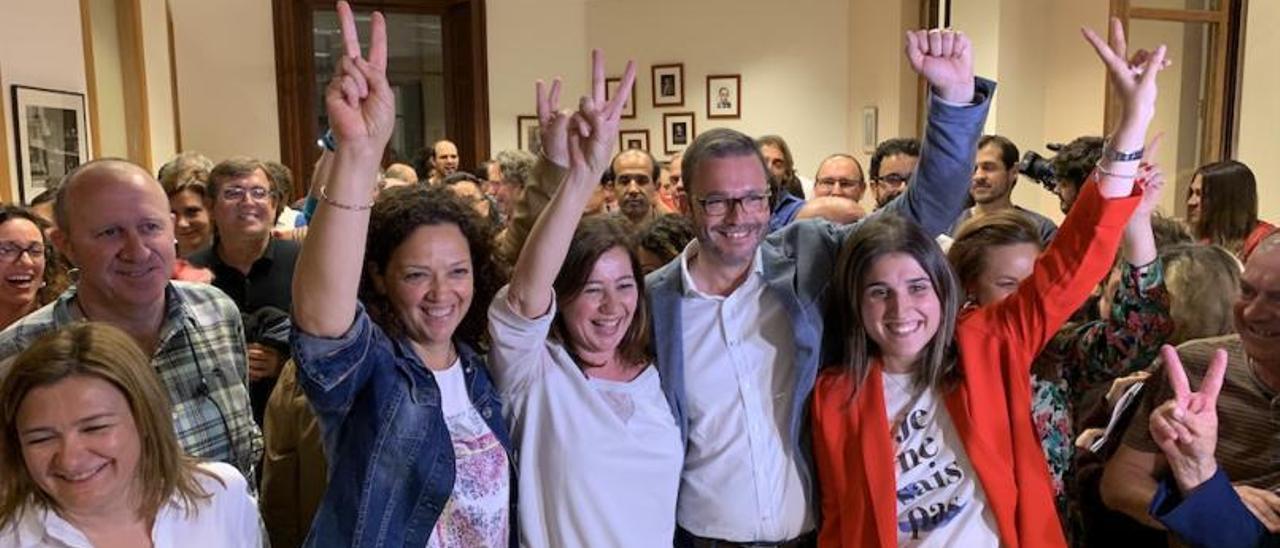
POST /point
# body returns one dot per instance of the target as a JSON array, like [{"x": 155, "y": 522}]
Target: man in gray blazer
[{"x": 744, "y": 312}]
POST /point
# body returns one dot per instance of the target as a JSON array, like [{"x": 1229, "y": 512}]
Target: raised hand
[
  {"x": 359, "y": 101},
  {"x": 585, "y": 138},
  {"x": 1186, "y": 427},
  {"x": 1132, "y": 76},
  {"x": 945, "y": 58}
]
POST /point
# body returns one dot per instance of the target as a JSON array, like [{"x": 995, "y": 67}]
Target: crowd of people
[{"x": 587, "y": 347}]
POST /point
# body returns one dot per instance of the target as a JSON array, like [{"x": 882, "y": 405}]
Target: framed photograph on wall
[
  {"x": 611, "y": 86},
  {"x": 51, "y": 137},
  {"x": 668, "y": 85},
  {"x": 527, "y": 136},
  {"x": 633, "y": 138},
  {"x": 869, "y": 137},
  {"x": 724, "y": 96},
  {"x": 677, "y": 131}
]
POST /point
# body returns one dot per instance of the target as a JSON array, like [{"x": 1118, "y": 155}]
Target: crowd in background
[{"x": 594, "y": 347}]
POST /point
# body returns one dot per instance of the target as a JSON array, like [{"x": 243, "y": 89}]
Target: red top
[
  {"x": 991, "y": 407},
  {"x": 1259, "y": 233}
]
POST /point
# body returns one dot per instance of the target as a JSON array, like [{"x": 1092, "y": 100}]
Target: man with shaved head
[
  {"x": 114, "y": 225},
  {"x": 1249, "y": 437}
]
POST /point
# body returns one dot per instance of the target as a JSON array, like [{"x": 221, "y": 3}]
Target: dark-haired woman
[
  {"x": 600, "y": 451},
  {"x": 1222, "y": 207},
  {"x": 923, "y": 437},
  {"x": 24, "y": 253},
  {"x": 413, "y": 430}
]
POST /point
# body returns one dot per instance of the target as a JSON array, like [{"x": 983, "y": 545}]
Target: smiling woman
[
  {"x": 23, "y": 254},
  {"x": 90, "y": 456}
]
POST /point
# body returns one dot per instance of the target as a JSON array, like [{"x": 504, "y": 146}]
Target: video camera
[{"x": 1039, "y": 168}]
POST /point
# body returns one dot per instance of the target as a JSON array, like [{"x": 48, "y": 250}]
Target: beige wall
[
  {"x": 1260, "y": 109},
  {"x": 225, "y": 54},
  {"x": 160, "y": 113},
  {"x": 109, "y": 79},
  {"x": 40, "y": 46}
]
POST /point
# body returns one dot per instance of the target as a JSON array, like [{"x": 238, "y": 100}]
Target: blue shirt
[{"x": 391, "y": 460}]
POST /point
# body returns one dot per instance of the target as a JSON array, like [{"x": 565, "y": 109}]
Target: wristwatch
[
  {"x": 327, "y": 141},
  {"x": 1110, "y": 154}
]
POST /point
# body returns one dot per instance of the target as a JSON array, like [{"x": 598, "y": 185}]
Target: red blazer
[{"x": 991, "y": 407}]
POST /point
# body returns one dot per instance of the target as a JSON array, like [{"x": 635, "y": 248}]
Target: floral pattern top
[{"x": 1086, "y": 354}]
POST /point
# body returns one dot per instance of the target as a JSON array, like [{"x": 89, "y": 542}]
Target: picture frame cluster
[{"x": 666, "y": 91}]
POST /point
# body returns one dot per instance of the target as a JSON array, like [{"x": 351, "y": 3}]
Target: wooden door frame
[{"x": 466, "y": 77}]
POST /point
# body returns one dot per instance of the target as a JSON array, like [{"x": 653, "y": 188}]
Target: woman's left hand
[{"x": 1133, "y": 77}]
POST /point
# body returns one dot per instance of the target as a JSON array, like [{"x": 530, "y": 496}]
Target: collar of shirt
[
  {"x": 691, "y": 288},
  {"x": 177, "y": 313}
]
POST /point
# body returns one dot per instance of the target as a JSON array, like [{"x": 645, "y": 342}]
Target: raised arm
[
  {"x": 589, "y": 136},
  {"x": 361, "y": 111},
  {"x": 958, "y": 107}
]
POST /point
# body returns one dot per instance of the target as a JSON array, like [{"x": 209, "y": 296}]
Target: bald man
[
  {"x": 114, "y": 224},
  {"x": 444, "y": 161}
]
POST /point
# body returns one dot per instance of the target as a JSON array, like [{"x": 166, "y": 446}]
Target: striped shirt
[
  {"x": 201, "y": 360},
  {"x": 1248, "y": 413}
]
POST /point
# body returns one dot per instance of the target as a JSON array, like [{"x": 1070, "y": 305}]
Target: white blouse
[{"x": 228, "y": 518}]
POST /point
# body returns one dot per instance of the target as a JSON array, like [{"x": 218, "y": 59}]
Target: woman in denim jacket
[{"x": 418, "y": 451}]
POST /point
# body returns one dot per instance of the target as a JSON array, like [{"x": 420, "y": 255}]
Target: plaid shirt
[{"x": 200, "y": 358}]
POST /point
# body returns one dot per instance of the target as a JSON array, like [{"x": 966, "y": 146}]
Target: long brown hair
[
  {"x": 1228, "y": 204},
  {"x": 875, "y": 238},
  {"x": 101, "y": 351},
  {"x": 593, "y": 238}
]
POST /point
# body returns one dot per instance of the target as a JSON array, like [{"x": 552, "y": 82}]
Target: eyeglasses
[
  {"x": 236, "y": 193},
  {"x": 893, "y": 179},
  {"x": 12, "y": 251},
  {"x": 839, "y": 181},
  {"x": 720, "y": 205}
]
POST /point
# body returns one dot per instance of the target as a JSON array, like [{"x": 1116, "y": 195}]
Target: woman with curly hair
[{"x": 389, "y": 307}]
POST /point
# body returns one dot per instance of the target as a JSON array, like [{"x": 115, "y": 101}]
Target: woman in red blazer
[{"x": 922, "y": 437}]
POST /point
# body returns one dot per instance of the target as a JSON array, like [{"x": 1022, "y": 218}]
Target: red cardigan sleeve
[{"x": 1065, "y": 274}]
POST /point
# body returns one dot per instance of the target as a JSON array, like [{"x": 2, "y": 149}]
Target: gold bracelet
[{"x": 324, "y": 197}]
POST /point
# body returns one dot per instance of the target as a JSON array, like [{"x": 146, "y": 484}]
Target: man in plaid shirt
[{"x": 114, "y": 224}]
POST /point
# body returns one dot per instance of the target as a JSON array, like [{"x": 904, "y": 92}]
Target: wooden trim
[
  {"x": 90, "y": 78},
  {"x": 6, "y": 189},
  {"x": 134, "y": 72},
  {"x": 1235, "y": 77},
  {"x": 1183, "y": 16},
  {"x": 173, "y": 79}
]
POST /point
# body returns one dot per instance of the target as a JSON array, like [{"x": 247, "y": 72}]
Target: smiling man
[
  {"x": 1249, "y": 437},
  {"x": 737, "y": 317},
  {"x": 114, "y": 224},
  {"x": 250, "y": 266},
  {"x": 994, "y": 175}
]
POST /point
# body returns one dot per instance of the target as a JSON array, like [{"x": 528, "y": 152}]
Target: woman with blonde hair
[{"x": 90, "y": 457}]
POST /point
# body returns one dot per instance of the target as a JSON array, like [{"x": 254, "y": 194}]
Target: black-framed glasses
[
  {"x": 893, "y": 179},
  {"x": 12, "y": 251},
  {"x": 236, "y": 193},
  {"x": 722, "y": 205}
]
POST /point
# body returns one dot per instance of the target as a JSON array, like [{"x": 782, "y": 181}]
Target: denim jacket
[{"x": 391, "y": 461}]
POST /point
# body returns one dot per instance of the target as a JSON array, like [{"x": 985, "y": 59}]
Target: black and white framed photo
[
  {"x": 677, "y": 131},
  {"x": 724, "y": 96},
  {"x": 869, "y": 125},
  {"x": 51, "y": 137},
  {"x": 633, "y": 138},
  {"x": 611, "y": 86},
  {"x": 668, "y": 85},
  {"x": 528, "y": 137}
]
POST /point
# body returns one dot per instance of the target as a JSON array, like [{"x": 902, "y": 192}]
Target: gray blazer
[{"x": 799, "y": 260}]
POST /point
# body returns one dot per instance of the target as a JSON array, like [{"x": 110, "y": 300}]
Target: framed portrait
[
  {"x": 633, "y": 138},
  {"x": 51, "y": 137},
  {"x": 869, "y": 137},
  {"x": 527, "y": 134},
  {"x": 677, "y": 131},
  {"x": 668, "y": 85},
  {"x": 724, "y": 96},
  {"x": 611, "y": 86}
]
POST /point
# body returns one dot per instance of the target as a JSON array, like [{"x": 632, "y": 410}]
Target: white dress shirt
[
  {"x": 740, "y": 482},
  {"x": 228, "y": 518}
]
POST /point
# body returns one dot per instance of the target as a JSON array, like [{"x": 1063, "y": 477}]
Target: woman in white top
[
  {"x": 90, "y": 458},
  {"x": 599, "y": 449}
]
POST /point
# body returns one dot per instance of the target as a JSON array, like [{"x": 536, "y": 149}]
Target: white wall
[
  {"x": 793, "y": 59},
  {"x": 1260, "y": 109},
  {"x": 40, "y": 46},
  {"x": 225, "y": 54},
  {"x": 155, "y": 53}
]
